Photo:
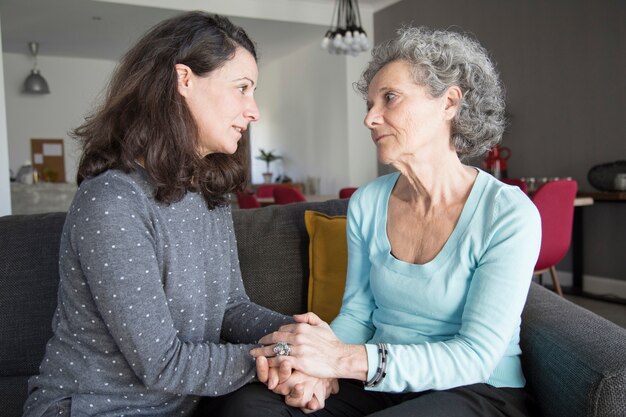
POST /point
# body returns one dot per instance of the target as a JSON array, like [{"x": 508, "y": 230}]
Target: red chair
[
  {"x": 286, "y": 195},
  {"x": 266, "y": 190},
  {"x": 347, "y": 192},
  {"x": 555, "y": 202},
  {"x": 247, "y": 201},
  {"x": 517, "y": 182}
]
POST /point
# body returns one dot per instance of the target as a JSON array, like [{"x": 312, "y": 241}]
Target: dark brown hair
[{"x": 144, "y": 117}]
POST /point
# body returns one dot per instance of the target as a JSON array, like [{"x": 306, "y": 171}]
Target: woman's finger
[
  {"x": 268, "y": 351},
  {"x": 312, "y": 406},
  {"x": 279, "y": 336},
  {"x": 296, "y": 397},
  {"x": 284, "y": 372},
  {"x": 272, "y": 380},
  {"x": 262, "y": 369},
  {"x": 334, "y": 386},
  {"x": 276, "y": 361},
  {"x": 309, "y": 318}
]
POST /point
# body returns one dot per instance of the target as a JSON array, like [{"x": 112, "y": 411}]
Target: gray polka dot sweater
[{"x": 152, "y": 312}]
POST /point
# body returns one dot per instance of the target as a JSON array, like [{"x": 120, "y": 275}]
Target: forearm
[
  {"x": 352, "y": 362},
  {"x": 247, "y": 322}
]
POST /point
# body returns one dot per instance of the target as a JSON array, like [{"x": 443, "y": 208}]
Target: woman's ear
[
  {"x": 184, "y": 80},
  {"x": 453, "y": 101}
]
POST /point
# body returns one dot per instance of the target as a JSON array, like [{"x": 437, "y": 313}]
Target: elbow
[
  {"x": 485, "y": 366},
  {"x": 153, "y": 378},
  {"x": 159, "y": 373},
  {"x": 483, "y": 373},
  {"x": 481, "y": 369}
]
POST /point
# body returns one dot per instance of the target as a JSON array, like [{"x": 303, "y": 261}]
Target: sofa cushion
[
  {"x": 573, "y": 359},
  {"x": 13, "y": 394},
  {"x": 328, "y": 263},
  {"x": 29, "y": 277},
  {"x": 273, "y": 253}
]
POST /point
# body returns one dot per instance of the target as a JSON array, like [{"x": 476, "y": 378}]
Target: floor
[{"x": 614, "y": 312}]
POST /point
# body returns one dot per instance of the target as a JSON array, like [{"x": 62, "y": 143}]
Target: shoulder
[
  {"x": 366, "y": 197},
  {"x": 508, "y": 206},
  {"x": 381, "y": 184},
  {"x": 111, "y": 192}
]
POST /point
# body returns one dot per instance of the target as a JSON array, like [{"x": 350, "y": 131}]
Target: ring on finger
[{"x": 282, "y": 349}]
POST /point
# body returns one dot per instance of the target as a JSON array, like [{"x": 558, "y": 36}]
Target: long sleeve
[
  {"x": 354, "y": 324},
  {"x": 490, "y": 316},
  {"x": 454, "y": 320},
  {"x": 116, "y": 243},
  {"x": 245, "y": 321}
]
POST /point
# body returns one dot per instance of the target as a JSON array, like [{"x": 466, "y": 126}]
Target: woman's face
[
  {"x": 222, "y": 102},
  {"x": 404, "y": 119}
]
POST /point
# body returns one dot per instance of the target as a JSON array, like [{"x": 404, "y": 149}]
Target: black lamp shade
[{"x": 36, "y": 84}]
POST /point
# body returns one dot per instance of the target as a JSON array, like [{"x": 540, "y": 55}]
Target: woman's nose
[
  {"x": 252, "y": 112},
  {"x": 372, "y": 118}
]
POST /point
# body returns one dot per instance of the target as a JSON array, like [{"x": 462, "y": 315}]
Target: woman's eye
[
  {"x": 389, "y": 97},
  {"x": 243, "y": 88}
]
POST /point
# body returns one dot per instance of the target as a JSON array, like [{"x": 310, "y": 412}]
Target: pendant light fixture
[
  {"x": 35, "y": 83},
  {"x": 346, "y": 35}
]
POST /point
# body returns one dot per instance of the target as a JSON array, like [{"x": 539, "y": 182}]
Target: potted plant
[{"x": 268, "y": 157}]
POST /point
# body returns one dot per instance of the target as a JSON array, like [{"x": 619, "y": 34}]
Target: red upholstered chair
[
  {"x": 555, "y": 202},
  {"x": 266, "y": 190},
  {"x": 247, "y": 201},
  {"x": 347, "y": 192},
  {"x": 518, "y": 182},
  {"x": 286, "y": 195}
]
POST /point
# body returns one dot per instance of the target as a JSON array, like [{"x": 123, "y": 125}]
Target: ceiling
[{"x": 104, "y": 30}]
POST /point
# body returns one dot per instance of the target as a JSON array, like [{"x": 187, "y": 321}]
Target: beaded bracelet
[{"x": 381, "y": 371}]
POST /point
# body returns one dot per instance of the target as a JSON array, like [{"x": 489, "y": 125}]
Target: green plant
[{"x": 268, "y": 157}]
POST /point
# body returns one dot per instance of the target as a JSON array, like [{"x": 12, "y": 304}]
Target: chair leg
[{"x": 555, "y": 281}]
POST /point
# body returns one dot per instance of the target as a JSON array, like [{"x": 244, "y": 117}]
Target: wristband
[{"x": 381, "y": 371}]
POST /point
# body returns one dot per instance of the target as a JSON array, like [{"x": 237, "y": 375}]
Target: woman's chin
[
  {"x": 383, "y": 157},
  {"x": 228, "y": 150}
]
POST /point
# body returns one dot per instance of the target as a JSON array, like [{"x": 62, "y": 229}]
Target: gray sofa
[{"x": 574, "y": 360}]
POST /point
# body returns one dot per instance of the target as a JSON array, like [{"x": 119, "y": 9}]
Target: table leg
[{"x": 577, "y": 251}]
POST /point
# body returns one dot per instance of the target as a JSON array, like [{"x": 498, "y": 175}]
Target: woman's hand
[
  {"x": 271, "y": 376},
  {"x": 306, "y": 392},
  {"x": 315, "y": 350},
  {"x": 300, "y": 390}
]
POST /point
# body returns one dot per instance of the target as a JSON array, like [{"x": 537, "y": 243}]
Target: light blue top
[{"x": 452, "y": 321}]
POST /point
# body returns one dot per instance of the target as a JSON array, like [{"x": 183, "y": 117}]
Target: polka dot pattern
[{"x": 152, "y": 311}]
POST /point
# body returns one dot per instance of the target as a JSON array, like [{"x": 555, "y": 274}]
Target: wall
[
  {"x": 5, "y": 190},
  {"x": 74, "y": 88},
  {"x": 563, "y": 64},
  {"x": 303, "y": 118},
  {"x": 361, "y": 149},
  {"x": 302, "y": 96}
]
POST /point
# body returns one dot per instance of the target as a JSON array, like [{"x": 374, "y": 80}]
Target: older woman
[{"x": 441, "y": 254}]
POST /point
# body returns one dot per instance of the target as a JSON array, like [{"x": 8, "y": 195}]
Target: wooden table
[
  {"x": 603, "y": 196},
  {"x": 310, "y": 198},
  {"x": 577, "y": 232},
  {"x": 580, "y": 202}
]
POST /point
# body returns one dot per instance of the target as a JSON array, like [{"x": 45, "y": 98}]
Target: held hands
[
  {"x": 286, "y": 376},
  {"x": 300, "y": 390},
  {"x": 315, "y": 350}
]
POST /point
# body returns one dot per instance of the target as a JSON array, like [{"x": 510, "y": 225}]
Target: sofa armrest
[{"x": 573, "y": 359}]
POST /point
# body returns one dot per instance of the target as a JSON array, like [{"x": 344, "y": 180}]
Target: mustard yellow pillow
[{"x": 328, "y": 263}]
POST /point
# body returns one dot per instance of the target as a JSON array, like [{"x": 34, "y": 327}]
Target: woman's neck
[{"x": 435, "y": 181}]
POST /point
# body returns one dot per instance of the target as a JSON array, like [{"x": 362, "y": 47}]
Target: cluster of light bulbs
[
  {"x": 346, "y": 42},
  {"x": 346, "y": 35}
]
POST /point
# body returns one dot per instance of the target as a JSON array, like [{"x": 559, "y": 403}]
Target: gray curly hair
[{"x": 441, "y": 59}]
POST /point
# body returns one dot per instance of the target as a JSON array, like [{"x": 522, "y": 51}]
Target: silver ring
[{"x": 282, "y": 349}]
